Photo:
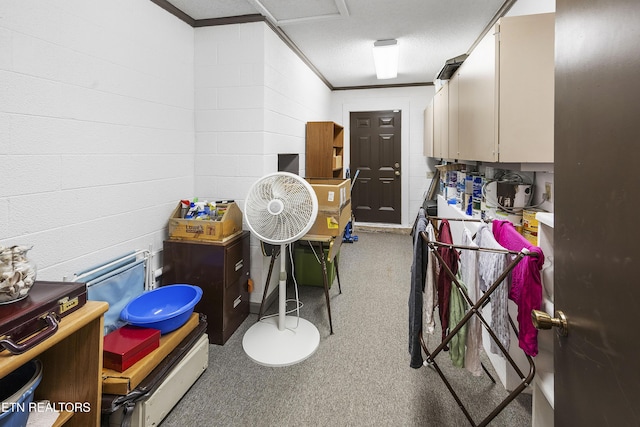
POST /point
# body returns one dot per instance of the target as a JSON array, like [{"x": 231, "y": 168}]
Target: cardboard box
[
  {"x": 334, "y": 206},
  {"x": 225, "y": 227},
  {"x": 127, "y": 345},
  {"x": 332, "y": 193},
  {"x": 122, "y": 383}
]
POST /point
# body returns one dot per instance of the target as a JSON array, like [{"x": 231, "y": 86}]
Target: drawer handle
[
  {"x": 239, "y": 264},
  {"x": 237, "y": 301}
]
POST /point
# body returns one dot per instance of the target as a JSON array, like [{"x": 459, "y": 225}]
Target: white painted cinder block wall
[
  {"x": 253, "y": 99},
  {"x": 112, "y": 111},
  {"x": 96, "y": 128}
]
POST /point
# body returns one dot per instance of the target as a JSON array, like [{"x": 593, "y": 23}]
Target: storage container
[
  {"x": 307, "y": 267},
  {"x": 228, "y": 224},
  {"x": 127, "y": 345},
  {"x": 166, "y": 308},
  {"x": 334, "y": 206},
  {"x": 16, "y": 393}
]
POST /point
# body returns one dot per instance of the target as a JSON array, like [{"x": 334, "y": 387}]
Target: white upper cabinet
[
  {"x": 477, "y": 117},
  {"x": 441, "y": 123},
  {"x": 501, "y": 100},
  {"x": 526, "y": 76},
  {"x": 428, "y": 130}
]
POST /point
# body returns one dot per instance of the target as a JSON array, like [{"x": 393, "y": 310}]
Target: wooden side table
[{"x": 72, "y": 366}]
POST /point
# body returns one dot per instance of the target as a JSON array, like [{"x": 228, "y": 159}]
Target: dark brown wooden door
[
  {"x": 597, "y": 251},
  {"x": 375, "y": 152}
]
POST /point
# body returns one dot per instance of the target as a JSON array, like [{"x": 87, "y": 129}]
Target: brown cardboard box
[
  {"x": 121, "y": 383},
  {"x": 334, "y": 206},
  {"x": 332, "y": 193},
  {"x": 206, "y": 230}
]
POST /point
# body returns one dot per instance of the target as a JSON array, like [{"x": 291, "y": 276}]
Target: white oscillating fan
[{"x": 281, "y": 208}]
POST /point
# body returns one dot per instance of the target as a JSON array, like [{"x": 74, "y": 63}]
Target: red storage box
[{"x": 127, "y": 345}]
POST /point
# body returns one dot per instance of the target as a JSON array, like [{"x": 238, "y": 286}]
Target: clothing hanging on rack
[
  {"x": 431, "y": 286},
  {"x": 418, "y": 267},
  {"x": 457, "y": 310},
  {"x": 491, "y": 265},
  {"x": 450, "y": 257},
  {"x": 474, "y": 309},
  {"x": 526, "y": 285},
  {"x": 469, "y": 274}
]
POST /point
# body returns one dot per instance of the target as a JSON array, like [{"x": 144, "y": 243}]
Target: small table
[
  {"x": 333, "y": 243},
  {"x": 72, "y": 359}
]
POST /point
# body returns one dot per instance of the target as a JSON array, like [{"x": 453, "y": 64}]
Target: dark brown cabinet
[{"x": 221, "y": 270}]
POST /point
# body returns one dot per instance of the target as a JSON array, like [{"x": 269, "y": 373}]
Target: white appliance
[{"x": 281, "y": 208}]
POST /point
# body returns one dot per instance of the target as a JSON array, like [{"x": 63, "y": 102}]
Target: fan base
[{"x": 266, "y": 345}]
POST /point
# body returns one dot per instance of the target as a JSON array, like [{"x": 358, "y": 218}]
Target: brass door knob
[{"x": 542, "y": 320}]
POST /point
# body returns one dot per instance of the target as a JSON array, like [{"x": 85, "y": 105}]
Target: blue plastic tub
[
  {"x": 165, "y": 308},
  {"x": 16, "y": 393}
]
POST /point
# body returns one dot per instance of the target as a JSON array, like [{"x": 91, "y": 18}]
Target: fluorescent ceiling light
[{"x": 385, "y": 57}]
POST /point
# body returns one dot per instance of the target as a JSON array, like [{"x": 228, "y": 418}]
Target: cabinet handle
[
  {"x": 237, "y": 301},
  {"x": 239, "y": 264}
]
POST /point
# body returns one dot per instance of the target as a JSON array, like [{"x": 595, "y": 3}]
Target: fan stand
[{"x": 282, "y": 341}]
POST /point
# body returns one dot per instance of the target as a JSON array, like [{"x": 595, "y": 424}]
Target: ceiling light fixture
[{"x": 385, "y": 57}]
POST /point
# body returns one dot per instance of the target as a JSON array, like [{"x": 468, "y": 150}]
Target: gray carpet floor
[{"x": 360, "y": 375}]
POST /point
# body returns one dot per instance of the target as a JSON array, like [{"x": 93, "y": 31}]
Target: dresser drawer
[
  {"x": 235, "y": 307},
  {"x": 236, "y": 261}
]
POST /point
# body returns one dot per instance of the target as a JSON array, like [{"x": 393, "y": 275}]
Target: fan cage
[{"x": 299, "y": 208}]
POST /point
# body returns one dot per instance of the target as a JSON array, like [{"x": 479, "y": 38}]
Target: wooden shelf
[
  {"x": 63, "y": 418},
  {"x": 72, "y": 364},
  {"x": 324, "y": 150}
]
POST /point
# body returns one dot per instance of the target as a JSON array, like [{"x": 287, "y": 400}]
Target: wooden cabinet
[
  {"x": 441, "y": 123},
  {"x": 324, "y": 150},
  {"x": 526, "y": 76},
  {"x": 453, "y": 143},
  {"x": 501, "y": 100},
  {"x": 477, "y": 117},
  {"x": 427, "y": 150},
  {"x": 72, "y": 366},
  {"x": 221, "y": 270}
]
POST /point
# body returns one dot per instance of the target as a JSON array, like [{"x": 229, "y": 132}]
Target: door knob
[
  {"x": 542, "y": 320},
  {"x": 397, "y": 173}
]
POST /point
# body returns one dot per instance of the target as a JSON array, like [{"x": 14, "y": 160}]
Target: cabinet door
[
  {"x": 526, "y": 60},
  {"x": 441, "y": 123},
  {"x": 454, "y": 150},
  {"x": 477, "y": 115},
  {"x": 428, "y": 131}
]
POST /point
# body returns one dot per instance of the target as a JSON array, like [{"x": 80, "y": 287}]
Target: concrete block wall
[
  {"x": 253, "y": 99},
  {"x": 96, "y": 124},
  {"x": 229, "y": 112},
  {"x": 111, "y": 111}
]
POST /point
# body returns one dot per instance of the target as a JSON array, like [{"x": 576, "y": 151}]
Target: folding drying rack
[{"x": 475, "y": 309}]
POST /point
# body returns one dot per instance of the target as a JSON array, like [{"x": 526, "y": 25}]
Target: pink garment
[{"x": 526, "y": 286}]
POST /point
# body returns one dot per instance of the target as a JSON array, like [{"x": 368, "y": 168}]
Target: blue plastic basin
[
  {"x": 16, "y": 393},
  {"x": 165, "y": 308}
]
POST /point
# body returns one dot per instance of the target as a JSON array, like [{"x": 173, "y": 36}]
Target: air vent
[{"x": 450, "y": 67}]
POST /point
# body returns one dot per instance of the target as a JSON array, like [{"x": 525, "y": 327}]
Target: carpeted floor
[{"x": 360, "y": 375}]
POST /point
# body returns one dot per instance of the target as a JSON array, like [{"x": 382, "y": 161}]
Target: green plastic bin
[{"x": 308, "y": 271}]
